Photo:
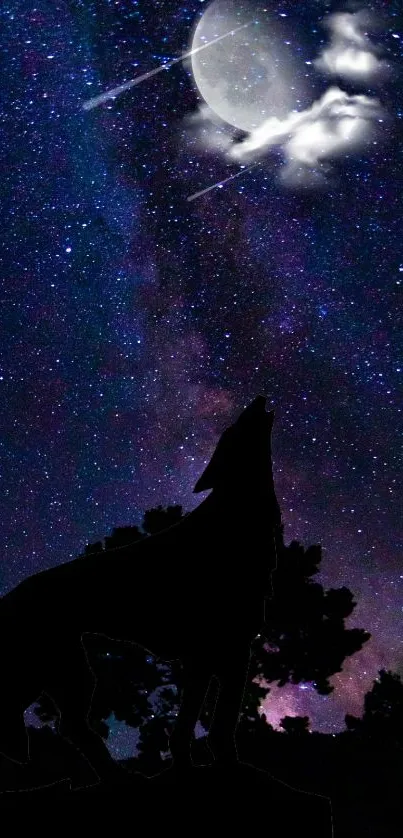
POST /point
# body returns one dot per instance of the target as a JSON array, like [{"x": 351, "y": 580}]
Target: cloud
[
  {"x": 350, "y": 54},
  {"x": 335, "y": 124},
  {"x": 208, "y": 130},
  {"x": 346, "y": 25}
]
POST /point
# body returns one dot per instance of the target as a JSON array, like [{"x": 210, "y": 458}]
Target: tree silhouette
[
  {"x": 383, "y": 710},
  {"x": 303, "y": 639},
  {"x": 154, "y": 520},
  {"x": 159, "y": 519},
  {"x": 295, "y": 725},
  {"x": 121, "y": 537}
]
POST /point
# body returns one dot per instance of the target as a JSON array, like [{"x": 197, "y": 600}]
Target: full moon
[{"x": 248, "y": 76}]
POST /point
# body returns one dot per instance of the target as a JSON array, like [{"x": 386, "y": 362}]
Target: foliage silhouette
[
  {"x": 295, "y": 725},
  {"x": 306, "y": 632},
  {"x": 158, "y": 519},
  {"x": 382, "y": 719},
  {"x": 288, "y": 651}
]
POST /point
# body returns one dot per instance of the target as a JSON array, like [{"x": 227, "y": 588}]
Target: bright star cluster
[{"x": 136, "y": 325}]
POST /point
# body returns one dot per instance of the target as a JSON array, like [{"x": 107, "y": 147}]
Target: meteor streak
[
  {"x": 220, "y": 183},
  {"x": 111, "y": 94}
]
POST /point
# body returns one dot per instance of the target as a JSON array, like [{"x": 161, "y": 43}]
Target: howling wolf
[{"x": 194, "y": 592}]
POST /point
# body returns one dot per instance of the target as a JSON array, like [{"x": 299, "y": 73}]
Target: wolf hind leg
[
  {"x": 196, "y": 682},
  {"x": 73, "y": 692}
]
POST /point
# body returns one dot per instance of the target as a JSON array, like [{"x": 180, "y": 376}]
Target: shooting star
[
  {"x": 220, "y": 183},
  {"x": 111, "y": 94}
]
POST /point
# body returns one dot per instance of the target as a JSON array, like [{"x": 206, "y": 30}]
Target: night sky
[{"x": 137, "y": 324}]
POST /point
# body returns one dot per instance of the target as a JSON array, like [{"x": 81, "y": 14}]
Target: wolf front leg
[
  {"x": 196, "y": 682},
  {"x": 232, "y": 674}
]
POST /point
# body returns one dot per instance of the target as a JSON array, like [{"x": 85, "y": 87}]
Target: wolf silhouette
[{"x": 194, "y": 592}]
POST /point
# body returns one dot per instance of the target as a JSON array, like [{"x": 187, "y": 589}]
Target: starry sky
[{"x": 136, "y": 324}]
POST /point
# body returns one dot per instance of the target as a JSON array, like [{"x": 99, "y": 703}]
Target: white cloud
[
  {"x": 208, "y": 131},
  {"x": 349, "y": 62},
  {"x": 350, "y": 54},
  {"x": 346, "y": 26},
  {"x": 336, "y": 124}
]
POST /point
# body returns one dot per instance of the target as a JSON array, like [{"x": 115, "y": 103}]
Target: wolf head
[{"x": 242, "y": 459}]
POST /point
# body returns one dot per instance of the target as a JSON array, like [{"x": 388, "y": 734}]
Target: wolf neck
[{"x": 259, "y": 509}]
